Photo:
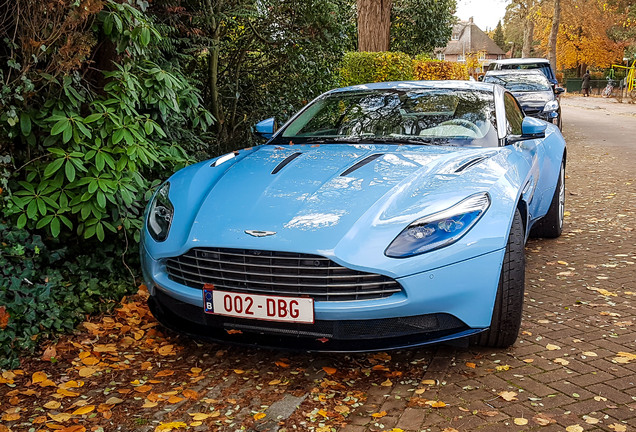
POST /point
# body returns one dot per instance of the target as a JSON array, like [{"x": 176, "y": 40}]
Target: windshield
[
  {"x": 543, "y": 67},
  {"x": 520, "y": 82},
  {"x": 413, "y": 116}
]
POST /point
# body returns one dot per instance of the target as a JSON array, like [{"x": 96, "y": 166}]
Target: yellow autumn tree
[{"x": 583, "y": 39}]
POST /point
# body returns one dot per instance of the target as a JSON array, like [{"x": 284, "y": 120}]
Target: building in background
[{"x": 470, "y": 45}]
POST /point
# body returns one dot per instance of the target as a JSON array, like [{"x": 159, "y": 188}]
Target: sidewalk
[{"x": 611, "y": 105}]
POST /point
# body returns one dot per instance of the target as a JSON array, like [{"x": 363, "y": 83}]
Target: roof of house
[{"x": 471, "y": 40}]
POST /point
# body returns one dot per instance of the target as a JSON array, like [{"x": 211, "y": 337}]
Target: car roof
[
  {"x": 508, "y": 72},
  {"x": 521, "y": 60},
  {"x": 412, "y": 85}
]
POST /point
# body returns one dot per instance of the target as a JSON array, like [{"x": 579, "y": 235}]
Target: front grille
[{"x": 277, "y": 273}]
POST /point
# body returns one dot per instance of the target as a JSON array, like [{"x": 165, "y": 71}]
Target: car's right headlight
[
  {"x": 160, "y": 214},
  {"x": 439, "y": 229},
  {"x": 551, "y": 106}
]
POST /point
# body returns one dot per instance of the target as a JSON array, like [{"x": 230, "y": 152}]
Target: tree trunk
[
  {"x": 552, "y": 41},
  {"x": 374, "y": 25},
  {"x": 528, "y": 37},
  {"x": 212, "y": 15}
]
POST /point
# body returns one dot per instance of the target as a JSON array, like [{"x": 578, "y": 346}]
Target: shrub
[
  {"x": 43, "y": 293},
  {"x": 369, "y": 67},
  {"x": 439, "y": 70}
]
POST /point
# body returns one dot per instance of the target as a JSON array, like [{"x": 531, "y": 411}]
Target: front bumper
[{"x": 446, "y": 303}]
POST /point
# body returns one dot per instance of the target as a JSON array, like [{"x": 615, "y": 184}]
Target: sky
[{"x": 485, "y": 13}]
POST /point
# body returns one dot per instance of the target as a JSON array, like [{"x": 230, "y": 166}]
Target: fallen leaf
[
  {"x": 199, "y": 416},
  {"x": 113, "y": 401},
  {"x": 543, "y": 419},
  {"x": 552, "y": 347},
  {"x": 282, "y": 364},
  {"x": 378, "y": 414},
  {"x": 617, "y": 427},
  {"x": 61, "y": 417},
  {"x": 196, "y": 370},
  {"x": 574, "y": 428},
  {"x": 274, "y": 382},
  {"x": 591, "y": 420},
  {"x": 166, "y": 350},
  {"x": 420, "y": 391},
  {"x": 167, "y": 427},
  {"x": 387, "y": 383},
  {"x": 528, "y": 360},
  {"x": 52, "y": 404},
  {"x": 38, "y": 377},
  {"x": 49, "y": 353},
  {"x": 329, "y": 370},
  {"x": 233, "y": 331},
  {"x": 259, "y": 415},
  {"x": 436, "y": 404},
  {"x": 84, "y": 410},
  {"x": 239, "y": 371},
  {"x": 503, "y": 368},
  {"x": 175, "y": 399},
  {"x": 87, "y": 371},
  {"x": 520, "y": 421},
  {"x": 149, "y": 404},
  {"x": 429, "y": 382},
  {"x": 471, "y": 365},
  {"x": 67, "y": 393},
  {"x": 561, "y": 361},
  {"x": 342, "y": 409},
  {"x": 90, "y": 361},
  {"x": 11, "y": 416},
  {"x": 4, "y": 317},
  {"x": 489, "y": 413},
  {"x": 508, "y": 395},
  {"x": 449, "y": 429},
  {"x": 164, "y": 373},
  {"x": 600, "y": 399}
]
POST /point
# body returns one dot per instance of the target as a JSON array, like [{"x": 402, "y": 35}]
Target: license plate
[{"x": 261, "y": 307}]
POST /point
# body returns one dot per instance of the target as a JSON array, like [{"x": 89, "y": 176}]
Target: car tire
[
  {"x": 506, "y": 315},
  {"x": 551, "y": 225}
]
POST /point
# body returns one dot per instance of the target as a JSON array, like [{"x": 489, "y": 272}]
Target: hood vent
[
  {"x": 470, "y": 163},
  {"x": 361, "y": 163},
  {"x": 287, "y": 160}
]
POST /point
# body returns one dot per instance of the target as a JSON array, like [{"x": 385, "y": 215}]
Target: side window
[{"x": 514, "y": 115}]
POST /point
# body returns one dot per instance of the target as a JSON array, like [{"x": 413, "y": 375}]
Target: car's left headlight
[
  {"x": 551, "y": 106},
  {"x": 439, "y": 229},
  {"x": 160, "y": 214}
]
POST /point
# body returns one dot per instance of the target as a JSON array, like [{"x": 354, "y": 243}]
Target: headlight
[
  {"x": 551, "y": 106},
  {"x": 439, "y": 229},
  {"x": 160, "y": 214}
]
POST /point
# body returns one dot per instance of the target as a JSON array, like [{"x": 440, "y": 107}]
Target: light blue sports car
[{"x": 380, "y": 216}]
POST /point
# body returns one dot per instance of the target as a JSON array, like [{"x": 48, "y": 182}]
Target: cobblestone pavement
[{"x": 572, "y": 369}]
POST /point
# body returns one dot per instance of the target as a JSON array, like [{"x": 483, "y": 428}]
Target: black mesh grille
[{"x": 278, "y": 273}]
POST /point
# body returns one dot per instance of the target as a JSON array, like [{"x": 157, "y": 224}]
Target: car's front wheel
[
  {"x": 506, "y": 315},
  {"x": 551, "y": 225}
]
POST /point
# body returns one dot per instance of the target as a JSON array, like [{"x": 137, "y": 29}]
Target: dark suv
[{"x": 526, "y": 63}]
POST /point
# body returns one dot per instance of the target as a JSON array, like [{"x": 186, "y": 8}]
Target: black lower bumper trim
[{"x": 330, "y": 336}]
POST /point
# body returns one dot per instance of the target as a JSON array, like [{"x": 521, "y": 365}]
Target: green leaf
[
  {"x": 52, "y": 167},
  {"x": 100, "y": 232},
  {"x": 145, "y": 36},
  {"x": 118, "y": 135},
  {"x": 32, "y": 209},
  {"x": 68, "y": 133},
  {"x": 69, "y": 170},
  {"x": 101, "y": 199},
  {"x": 99, "y": 161},
  {"x": 83, "y": 129},
  {"x": 93, "y": 117},
  {"x": 60, "y": 126},
  {"x": 25, "y": 123},
  {"x": 55, "y": 227},
  {"x": 22, "y": 220},
  {"x": 108, "y": 25}
]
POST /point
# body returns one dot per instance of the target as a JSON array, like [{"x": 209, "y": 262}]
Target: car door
[{"x": 532, "y": 152}]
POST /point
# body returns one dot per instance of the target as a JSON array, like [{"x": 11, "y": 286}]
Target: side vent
[
  {"x": 470, "y": 163},
  {"x": 287, "y": 160},
  {"x": 362, "y": 163}
]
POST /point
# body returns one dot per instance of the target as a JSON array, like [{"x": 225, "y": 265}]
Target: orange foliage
[
  {"x": 582, "y": 38},
  {"x": 439, "y": 70}
]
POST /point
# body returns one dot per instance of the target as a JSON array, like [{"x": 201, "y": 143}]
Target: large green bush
[{"x": 92, "y": 118}]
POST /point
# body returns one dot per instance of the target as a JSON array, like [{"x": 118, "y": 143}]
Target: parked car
[
  {"x": 524, "y": 64},
  {"x": 532, "y": 90},
  {"x": 380, "y": 216}
]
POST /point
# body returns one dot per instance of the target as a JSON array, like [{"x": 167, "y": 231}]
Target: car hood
[
  {"x": 535, "y": 100},
  {"x": 309, "y": 204}
]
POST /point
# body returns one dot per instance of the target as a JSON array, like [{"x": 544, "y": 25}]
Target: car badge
[{"x": 257, "y": 233}]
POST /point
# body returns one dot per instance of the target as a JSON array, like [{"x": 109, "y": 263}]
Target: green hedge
[{"x": 367, "y": 67}]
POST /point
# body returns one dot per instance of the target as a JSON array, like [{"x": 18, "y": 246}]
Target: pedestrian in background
[{"x": 585, "y": 85}]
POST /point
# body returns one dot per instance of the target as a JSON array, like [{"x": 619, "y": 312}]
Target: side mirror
[
  {"x": 559, "y": 90},
  {"x": 531, "y": 128},
  {"x": 265, "y": 128},
  {"x": 480, "y": 78}
]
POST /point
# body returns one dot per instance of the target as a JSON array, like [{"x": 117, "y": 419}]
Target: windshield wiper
[{"x": 378, "y": 140}]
